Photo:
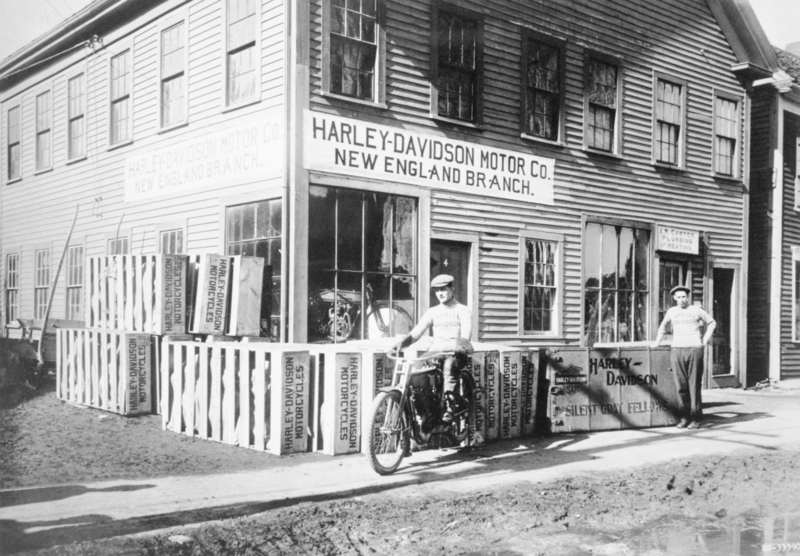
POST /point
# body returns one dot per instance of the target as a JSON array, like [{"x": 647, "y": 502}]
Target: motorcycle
[{"x": 412, "y": 409}]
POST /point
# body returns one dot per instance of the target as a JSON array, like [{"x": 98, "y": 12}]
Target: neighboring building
[
  {"x": 774, "y": 311},
  {"x": 568, "y": 162}
]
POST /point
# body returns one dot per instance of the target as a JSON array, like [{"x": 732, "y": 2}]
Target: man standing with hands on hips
[{"x": 686, "y": 355}]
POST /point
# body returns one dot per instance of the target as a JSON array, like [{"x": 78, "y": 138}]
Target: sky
[{"x": 22, "y": 21}]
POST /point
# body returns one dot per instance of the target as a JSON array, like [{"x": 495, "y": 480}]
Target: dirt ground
[
  {"x": 707, "y": 505},
  {"x": 710, "y": 505}
]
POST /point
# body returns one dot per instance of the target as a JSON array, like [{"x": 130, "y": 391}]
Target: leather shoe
[
  {"x": 447, "y": 417},
  {"x": 694, "y": 425},
  {"x": 682, "y": 424}
]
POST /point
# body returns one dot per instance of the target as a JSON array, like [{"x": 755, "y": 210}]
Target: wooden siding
[
  {"x": 790, "y": 349},
  {"x": 38, "y": 209},
  {"x": 676, "y": 37},
  {"x": 760, "y": 233}
]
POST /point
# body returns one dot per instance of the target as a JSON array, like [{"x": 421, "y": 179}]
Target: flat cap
[
  {"x": 441, "y": 281},
  {"x": 677, "y": 289}
]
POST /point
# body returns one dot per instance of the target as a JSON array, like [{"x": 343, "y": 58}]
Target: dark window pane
[
  {"x": 349, "y": 230},
  {"x": 322, "y": 228}
]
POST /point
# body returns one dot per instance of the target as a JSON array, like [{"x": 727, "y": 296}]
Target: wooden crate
[
  {"x": 509, "y": 399},
  {"x": 245, "y": 301},
  {"x": 106, "y": 369},
  {"x": 530, "y": 390},
  {"x": 137, "y": 293},
  {"x": 338, "y": 398},
  {"x": 228, "y": 392}
]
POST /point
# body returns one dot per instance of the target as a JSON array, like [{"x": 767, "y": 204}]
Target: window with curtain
[
  {"x": 74, "y": 279},
  {"x": 457, "y": 66},
  {"x": 12, "y": 287},
  {"x": 616, "y": 283},
  {"x": 354, "y": 48},
  {"x": 120, "y": 122},
  {"x": 543, "y": 89},
  {"x": 540, "y": 297},
  {"x": 44, "y": 123},
  {"x": 602, "y": 103},
  {"x": 173, "y": 75},
  {"x": 41, "y": 282},
  {"x": 76, "y": 124},
  {"x": 13, "y": 135},
  {"x": 255, "y": 229},
  {"x": 241, "y": 55},
  {"x": 362, "y": 264}
]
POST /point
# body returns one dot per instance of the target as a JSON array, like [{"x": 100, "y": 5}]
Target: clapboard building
[
  {"x": 568, "y": 162},
  {"x": 774, "y": 311}
]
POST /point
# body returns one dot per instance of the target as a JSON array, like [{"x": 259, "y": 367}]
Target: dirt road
[{"x": 725, "y": 489}]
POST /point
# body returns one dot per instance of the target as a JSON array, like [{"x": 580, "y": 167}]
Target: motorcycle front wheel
[{"x": 388, "y": 436}]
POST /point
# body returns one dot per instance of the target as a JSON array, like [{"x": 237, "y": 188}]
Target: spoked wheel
[
  {"x": 463, "y": 427},
  {"x": 389, "y": 434}
]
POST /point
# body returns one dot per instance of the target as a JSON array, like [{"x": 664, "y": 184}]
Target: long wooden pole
[{"x": 39, "y": 353}]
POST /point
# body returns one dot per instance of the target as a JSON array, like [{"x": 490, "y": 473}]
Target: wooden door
[{"x": 451, "y": 257}]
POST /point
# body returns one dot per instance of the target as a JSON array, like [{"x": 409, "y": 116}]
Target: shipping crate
[
  {"x": 246, "y": 285},
  {"x": 106, "y": 369},
  {"x": 510, "y": 399},
  {"x": 338, "y": 398},
  {"x": 253, "y": 395},
  {"x": 137, "y": 293},
  {"x": 530, "y": 390},
  {"x": 212, "y": 295}
]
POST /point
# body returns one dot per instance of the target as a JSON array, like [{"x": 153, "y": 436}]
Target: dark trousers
[{"x": 687, "y": 366}]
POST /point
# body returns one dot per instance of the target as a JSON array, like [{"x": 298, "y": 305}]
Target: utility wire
[{"x": 87, "y": 44}]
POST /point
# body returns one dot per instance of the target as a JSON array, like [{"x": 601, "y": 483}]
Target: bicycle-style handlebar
[{"x": 392, "y": 355}]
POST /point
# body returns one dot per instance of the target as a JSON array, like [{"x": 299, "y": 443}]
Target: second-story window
[
  {"x": 602, "y": 104},
  {"x": 542, "y": 75},
  {"x": 44, "y": 122},
  {"x": 120, "y": 98},
  {"x": 13, "y": 141},
  {"x": 669, "y": 117},
  {"x": 76, "y": 133},
  {"x": 353, "y": 48},
  {"x": 726, "y": 134},
  {"x": 457, "y": 71},
  {"x": 242, "y": 58},
  {"x": 173, "y": 75}
]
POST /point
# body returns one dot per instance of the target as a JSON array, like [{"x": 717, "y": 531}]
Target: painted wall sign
[
  {"x": 677, "y": 240},
  {"x": 358, "y": 148},
  {"x": 247, "y": 152}
]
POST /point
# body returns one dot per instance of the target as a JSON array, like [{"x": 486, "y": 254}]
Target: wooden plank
[
  {"x": 477, "y": 367},
  {"x": 214, "y": 404},
  {"x": 167, "y": 349},
  {"x": 510, "y": 402},
  {"x": 109, "y": 297},
  {"x": 94, "y": 360},
  {"x": 229, "y": 396},
  {"x": 530, "y": 391},
  {"x": 244, "y": 423},
  {"x": 290, "y": 382},
  {"x": 343, "y": 404},
  {"x": 150, "y": 312},
  {"x": 245, "y": 300},
  {"x": 139, "y": 277},
  {"x": 117, "y": 404},
  {"x": 188, "y": 398},
  {"x": 128, "y": 278},
  {"x": 120, "y": 293},
  {"x": 171, "y": 287},
  {"x": 177, "y": 389},
  {"x": 200, "y": 359},
  {"x": 259, "y": 402},
  {"x": 80, "y": 387},
  {"x": 105, "y": 378},
  {"x": 492, "y": 394},
  {"x": 377, "y": 373}
]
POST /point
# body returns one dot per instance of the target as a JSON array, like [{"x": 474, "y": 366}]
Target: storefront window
[
  {"x": 254, "y": 229},
  {"x": 362, "y": 252},
  {"x": 616, "y": 283}
]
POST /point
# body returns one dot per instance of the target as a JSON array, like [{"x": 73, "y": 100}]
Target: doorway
[
  {"x": 723, "y": 351},
  {"x": 452, "y": 257}
]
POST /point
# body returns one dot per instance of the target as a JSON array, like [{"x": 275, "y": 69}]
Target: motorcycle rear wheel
[{"x": 388, "y": 436}]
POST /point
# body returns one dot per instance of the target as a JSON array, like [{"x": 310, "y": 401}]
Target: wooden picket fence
[
  {"x": 138, "y": 293},
  {"x": 107, "y": 369},
  {"x": 253, "y": 395}
]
